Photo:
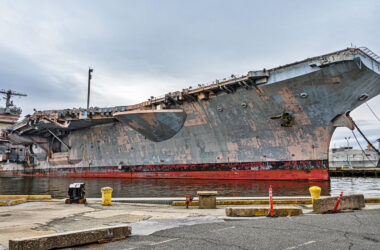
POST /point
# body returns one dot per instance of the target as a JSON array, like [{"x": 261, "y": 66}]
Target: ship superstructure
[
  {"x": 9, "y": 115},
  {"x": 267, "y": 124}
]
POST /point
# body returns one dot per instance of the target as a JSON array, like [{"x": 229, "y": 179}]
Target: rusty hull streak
[
  {"x": 256, "y": 135},
  {"x": 301, "y": 170},
  {"x": 232, "y": 141},
  {"x": 201, "y": 143}
]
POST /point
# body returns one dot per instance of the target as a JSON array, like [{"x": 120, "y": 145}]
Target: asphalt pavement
[{"x": 354, "y": 230}]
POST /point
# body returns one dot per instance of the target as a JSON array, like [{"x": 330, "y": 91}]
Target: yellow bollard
[
  {"x": 106, "y": 196},
  {"x": 315, "y": 192}
]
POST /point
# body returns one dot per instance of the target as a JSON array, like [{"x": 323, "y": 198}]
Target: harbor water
[{"x": 58, "y": 187}]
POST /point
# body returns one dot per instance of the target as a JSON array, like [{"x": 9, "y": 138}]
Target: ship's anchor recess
[{"x": 286, "y": 118}]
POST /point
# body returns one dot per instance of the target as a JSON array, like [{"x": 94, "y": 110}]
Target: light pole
[
  {"x": 90, "y": 70},
  {"x": 348, "y": 146}
]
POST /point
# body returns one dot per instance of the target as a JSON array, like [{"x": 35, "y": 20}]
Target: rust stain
[
  {"x": 261, "y": 93},
  {"x": 122, "y": 140},
  {"x": 194, "y": 122},
  {"x": 301, "y": 118},
  {"x": 292, "y": 105},
  {"x": 136, "y": 125},
  {"x": 150, "y": 119},
  {"x": 298, "y": 151},
  {"x": 232, "y": 157},
  {"x": 200, "y": 117},
  {"x": 219, "y": 158},
  {"x": 335, "y": 79},
  {"x": 322, "y": 135},
  {"x": 232, "y": 147},
  {"x": 252, "y": 124},
  {"x": 251, "y": 142}
]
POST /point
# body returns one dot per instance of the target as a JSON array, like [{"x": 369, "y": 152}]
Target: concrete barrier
[
  {"x": 247, "y": 202},
  {"x": 28, "y": 197},
  {"x": 68, "y": 239},
  {"x": 260, "y": 211},
  {"x": 207, "y": 199},
  {"x": 372, "y": 200},
  {"x": 349, "y": 202},
  {"x": 11, "y": 202}
]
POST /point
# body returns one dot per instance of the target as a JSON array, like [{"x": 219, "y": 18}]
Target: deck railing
[{"x": 370, "y": 53}]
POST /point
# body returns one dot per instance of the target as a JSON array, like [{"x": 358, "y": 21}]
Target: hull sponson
[
  {"x": 314, "y": 170},
  {"x": 235, "y": 127}
]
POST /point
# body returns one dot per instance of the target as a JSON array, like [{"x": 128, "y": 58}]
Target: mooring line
[
  {"x": 357, "y": 141},
  {"x": 372, "y": 111}
]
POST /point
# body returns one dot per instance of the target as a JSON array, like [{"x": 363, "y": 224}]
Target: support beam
[{"x": 59, "y": 139}]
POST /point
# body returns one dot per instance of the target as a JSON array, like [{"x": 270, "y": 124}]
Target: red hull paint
[{"x": 314, "y": 174}]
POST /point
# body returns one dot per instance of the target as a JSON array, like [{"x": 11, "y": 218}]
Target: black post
[{"x": 90, "y": 70}]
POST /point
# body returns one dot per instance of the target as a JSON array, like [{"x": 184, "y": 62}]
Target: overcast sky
[{"x": 144, "y": 48}]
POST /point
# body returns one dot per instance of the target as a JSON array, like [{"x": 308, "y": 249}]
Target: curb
[
  {"x": 28, "y": 197},
  {"x": 252, "y": 212},
  {"x": 246, "y": 202},
  {"x": 11, "y": 202},
  {"x": 372, "y": 200},
  {"x": 264, "y": 202}
]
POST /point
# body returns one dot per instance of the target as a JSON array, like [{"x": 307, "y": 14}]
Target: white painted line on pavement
[
  {"x": 157, "y": 243},
  {"x": 300, "y": 245},
  {"x": 217, "y": 230}
]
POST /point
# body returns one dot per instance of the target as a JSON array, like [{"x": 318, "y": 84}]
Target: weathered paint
[
  {"x": 292, "y": 170},
  {"x": 156, "y": 125},
  {"x": 241, "y": 134},
  {"x": 220, "y": 130}
]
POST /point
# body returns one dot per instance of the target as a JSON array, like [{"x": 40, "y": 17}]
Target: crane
[{"x": 8, "y": 94}]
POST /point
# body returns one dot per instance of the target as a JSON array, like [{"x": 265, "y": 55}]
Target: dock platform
[{"x": 354, "y": 172}]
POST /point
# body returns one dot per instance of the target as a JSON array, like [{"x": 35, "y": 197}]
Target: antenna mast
[{"x": 8, "y": 94}]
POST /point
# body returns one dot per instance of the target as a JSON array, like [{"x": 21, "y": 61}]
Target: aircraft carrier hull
[
  {"x": 204, "y": 171},
  {"x": 272, "y": 124}
]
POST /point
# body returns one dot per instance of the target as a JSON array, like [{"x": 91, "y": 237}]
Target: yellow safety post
[
  {"x": 106, "y": 196},
  {"x": 315, "y": 192}
]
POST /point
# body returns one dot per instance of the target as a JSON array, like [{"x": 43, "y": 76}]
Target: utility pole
[
  {"x": 348, "y": 146},
  {"x": 90, "y": 70}
]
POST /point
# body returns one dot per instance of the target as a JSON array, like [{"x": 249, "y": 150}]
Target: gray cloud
[{"x": 144, "y": 48}]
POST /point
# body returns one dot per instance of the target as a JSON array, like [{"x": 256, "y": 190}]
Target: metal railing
[
  {"x": 199, "y": 86},
  {"x": 370, "y": 53}
]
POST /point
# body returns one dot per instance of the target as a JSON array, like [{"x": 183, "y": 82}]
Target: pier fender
[{"x": 343, "y": 120}]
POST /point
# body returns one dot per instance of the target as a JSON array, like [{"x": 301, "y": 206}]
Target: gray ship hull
[{"x": 274, "y": 126}]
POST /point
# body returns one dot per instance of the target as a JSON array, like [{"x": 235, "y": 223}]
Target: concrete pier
[
  {"x": 354, "y": 172},
  {"x": 41, "y": 218}
]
